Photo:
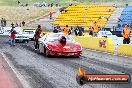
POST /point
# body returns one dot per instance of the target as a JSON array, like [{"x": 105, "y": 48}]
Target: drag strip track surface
[{"x": 60, "y": 72}]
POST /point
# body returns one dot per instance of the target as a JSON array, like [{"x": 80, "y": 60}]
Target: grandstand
[
  {"x": 85, "y": 15},
  {"x": 125, "y": 18}
]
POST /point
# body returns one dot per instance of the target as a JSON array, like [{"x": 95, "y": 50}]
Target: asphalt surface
[
  {"x": 60, "y": 72},
  {"x": 7, "y": 77}
]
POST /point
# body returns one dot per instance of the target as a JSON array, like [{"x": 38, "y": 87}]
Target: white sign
[{"x": 106, "y": 33}]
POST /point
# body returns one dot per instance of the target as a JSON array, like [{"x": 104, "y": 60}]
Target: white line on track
[{"x": 24, "y": 83}]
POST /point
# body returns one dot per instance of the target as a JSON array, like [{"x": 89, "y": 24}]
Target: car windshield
[{"x": 56, "y": 37}]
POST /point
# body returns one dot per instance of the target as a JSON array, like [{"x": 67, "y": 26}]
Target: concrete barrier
[
  {"x": 99, "y": 43},
  {"x": 124, "y": 49}
]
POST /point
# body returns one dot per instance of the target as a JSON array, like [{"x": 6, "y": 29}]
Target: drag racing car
[{"x": 59, "y": 44}]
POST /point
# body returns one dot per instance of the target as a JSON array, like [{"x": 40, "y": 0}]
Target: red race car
[{"x": 59, "y": 44}]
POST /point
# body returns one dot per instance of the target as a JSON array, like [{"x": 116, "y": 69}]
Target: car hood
[{"x": 68, "y": 47}]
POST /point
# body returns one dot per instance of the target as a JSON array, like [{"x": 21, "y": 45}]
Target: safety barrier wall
[
  {"x": 125, "y": 49},
  {"x": 99, "y": 43}
]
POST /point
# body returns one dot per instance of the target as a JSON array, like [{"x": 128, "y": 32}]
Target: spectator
[
  {"x": 4, "y": 22},
  {"x": 26, "y": 4},
  {"x": 70, "y": 4},
  {"x": 76, "y": 30},
  {"x": 95, "y": 28},
  {"x": 18, "y": 2},
  {"x": 119, "y": 20},
  {"x": 71, "y": 30},
  {"x": 52, "y": 4},
  {"x": 27, "y": 8},
  {"x": 13, "y": 36},
  {"x": 12, "y": 24},
  {"x": 80, "y": 32},
  {"x": 50, "y": 15},
  {"x": 23, "y": 23},
  {"x": 37, "y": 36},
  {"x": 66, "y": 30},
  {"x": 48, "y": 5},
  {"x": 16, "y": 24},
  {"x": 126, "y": 34},
  {"x": 107, "y": 18},
  {"x": 65, "y": 11},
  {"x": 82, "y": 29},
  {"x": 109, "y": 10},
  {"x": 115, "y": 5},
  {"x": 56, "y": 5},
  {"x": 1, "y": 31},
  {"x": 58, "y": 28},
  {"x": 90, "y": 32},
  {"x": 55, "y": 30},
  {"x": 20, "y": 24},
  {"x": 101, "y": 17}
]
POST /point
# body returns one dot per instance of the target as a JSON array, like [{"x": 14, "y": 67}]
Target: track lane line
[{"x": 24, "y": 83}]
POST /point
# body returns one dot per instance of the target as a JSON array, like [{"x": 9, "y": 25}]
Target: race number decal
[{"x": 102, "y": 43}]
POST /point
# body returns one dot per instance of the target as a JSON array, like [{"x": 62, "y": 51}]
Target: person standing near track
[
  {"x": 4, "y": 22},
  {"x": 76, "y": 30},
  {"x": 50, "y": 14},
  {"x": 37, "y": 36},
  {"x": 90, "y": 31},
  {"x": 55, "y": 30},
  {"x": 126, "y": 34},
  {"x": 66, "y": 30},
  {"x": 2, "y": 25},
  {"x": 13, "y": 36},
  {"x": 95, "y": 28}
]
